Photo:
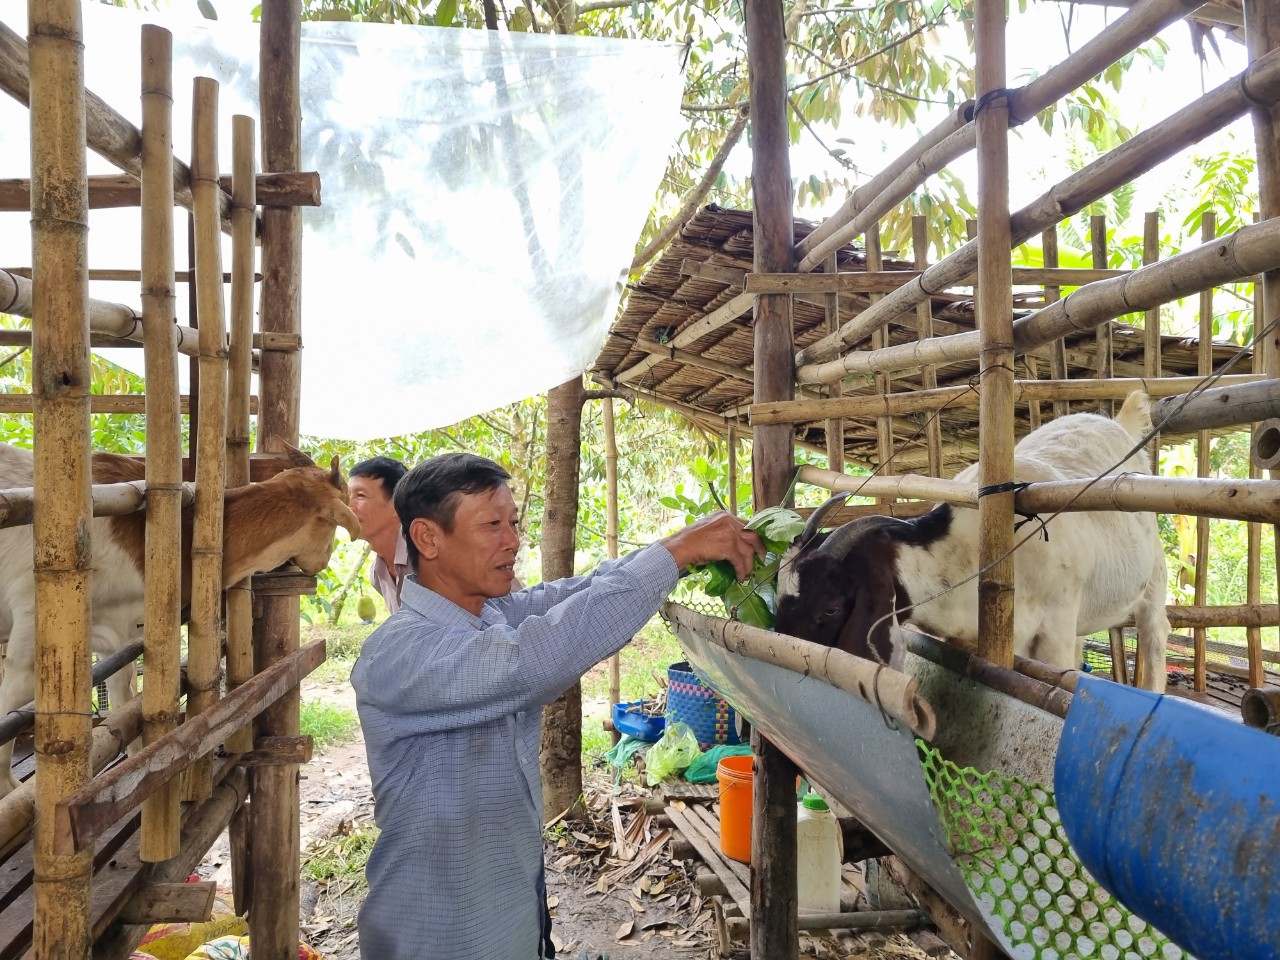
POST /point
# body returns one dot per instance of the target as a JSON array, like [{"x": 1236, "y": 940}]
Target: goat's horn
[
  {"x": 819, "y": 515},
  {"x": 846, "y": 537}
]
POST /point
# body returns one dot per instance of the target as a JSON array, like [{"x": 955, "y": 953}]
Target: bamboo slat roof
[{"x": 710, "y": 380}]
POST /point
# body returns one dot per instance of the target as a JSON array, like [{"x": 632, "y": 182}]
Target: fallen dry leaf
[{"x": 624, "y": 930}]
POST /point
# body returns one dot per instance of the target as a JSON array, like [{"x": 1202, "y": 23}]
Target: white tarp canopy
[{"x": 482, "y": 197}]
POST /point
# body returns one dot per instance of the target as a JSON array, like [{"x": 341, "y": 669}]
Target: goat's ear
[
  {"x": 339, "y": 513},
  {"x": 335, "y": 473},
  {"x": 296, "y": 456}
]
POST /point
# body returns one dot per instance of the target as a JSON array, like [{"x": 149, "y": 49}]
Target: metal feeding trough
[{"x": 958, "y": 778}]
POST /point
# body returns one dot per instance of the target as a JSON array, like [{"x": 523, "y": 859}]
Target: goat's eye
[{"x": 832, "y": 611}]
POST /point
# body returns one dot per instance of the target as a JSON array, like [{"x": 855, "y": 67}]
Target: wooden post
[
  {"x": 1105, "y": 367},
  {"x": 924, "y": 330},
  {"x": 274, "y": 915},
  {"x": 1152, "y": 365},
  {"x": 163, "y": 585},
  {"x": 611, "y": 535},
  {"x": 1262, "y": 35},
  {"x": 884, "y": 425},
  {"x": 1058, "y": 349},
  {"x": 243, "y": 248},
  {"x": 1208, "y": 230},
  {"x": 60, "y": 403},
  {"x": 731, "y": 440},
  {"x": 995, "y": 320},
  {"x": 1253, "y": 535},
  {"x": 204, "y": 631},
  {"x": 834, "y": 431},
  {"x": 774, "y": 933}
]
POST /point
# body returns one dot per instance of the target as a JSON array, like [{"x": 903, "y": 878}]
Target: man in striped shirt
[{"x": 450, "y": 691}]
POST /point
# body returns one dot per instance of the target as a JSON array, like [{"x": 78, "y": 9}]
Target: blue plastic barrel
[{"x": 1176, "y": 811}]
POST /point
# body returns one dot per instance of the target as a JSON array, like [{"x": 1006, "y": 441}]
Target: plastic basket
[{"x": 691, "y": 701}]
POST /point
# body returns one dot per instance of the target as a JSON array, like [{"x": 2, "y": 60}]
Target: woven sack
[{"x": 691, "y": 701}]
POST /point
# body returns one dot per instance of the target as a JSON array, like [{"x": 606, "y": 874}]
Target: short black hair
[
  {"x": 386, "y": 469},
  {"x": 433, "y": 488}
]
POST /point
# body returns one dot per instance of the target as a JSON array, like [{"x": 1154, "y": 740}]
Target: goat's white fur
[{"x": 1096, "y": 569}]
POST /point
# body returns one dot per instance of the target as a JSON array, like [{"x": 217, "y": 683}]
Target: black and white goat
[{"x": 1094, "y": 571}]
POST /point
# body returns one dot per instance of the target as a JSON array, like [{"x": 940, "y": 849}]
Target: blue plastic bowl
[{"x": 637, "y": 724}]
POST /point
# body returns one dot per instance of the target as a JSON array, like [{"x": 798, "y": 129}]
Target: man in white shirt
[{"x": 371, "y": 484}]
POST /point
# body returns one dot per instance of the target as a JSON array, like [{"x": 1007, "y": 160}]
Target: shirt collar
[
  {"x": 427, "y": 603},
  {"x": 402, "y": 551}
]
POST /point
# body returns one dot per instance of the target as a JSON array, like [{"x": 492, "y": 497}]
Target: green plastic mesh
[{"x": 1006, "y": 838}]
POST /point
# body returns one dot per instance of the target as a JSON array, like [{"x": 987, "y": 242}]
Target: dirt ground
[{"x": 646, "y": 907}]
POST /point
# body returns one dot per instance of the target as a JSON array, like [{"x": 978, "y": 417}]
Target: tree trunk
[{"x": 562, "y": 720}]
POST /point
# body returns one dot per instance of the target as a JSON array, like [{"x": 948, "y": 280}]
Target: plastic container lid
[{"x": 811, "y": 801}]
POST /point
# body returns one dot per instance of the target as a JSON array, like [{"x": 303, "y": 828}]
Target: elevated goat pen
[
  {"x": 108, "y": 854},
  {"x": 907, "y": 370}
]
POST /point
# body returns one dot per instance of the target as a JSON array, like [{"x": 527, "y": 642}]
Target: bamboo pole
[
  {"x": 887, "y": 281},
  {"x": 860, "y": 197},
  {"x": 995, "y": 323},
  {"x": 120, "y": 404},
  {"x": 1058, "y": 369},
  {"x": 1204, "y": 366},
  {"x": 1138, "y": 155},
  {"x": 17, "y": 506},
  {"x": 834, "y": 427},
  {"x": 163, "y": 585},
  {"x": 60, "y": 386},
  {"x": 1262, "y": 35},
  {"x": 731, "y": 440},
  {"x": 611, "y": 533},
  {"x": 884, "y": 425},
  {"x": 924, "y": 331},
  {"x": 244, "y": 203},
  {"x": 204, "y": 632},
  {"x": 1225, "y": 499},
  {"x": 274, "y": 809},
  {"x": 1240, "y": 396},
  {"x": 1152, "y": 358},
  {"x": 1106, "y": 362},
  {"x": 115, "y": 190},
  {"x": 1234, "y": 615},
  {"x": 1247, "y": 251},
  {"x": 106, "y": 318},
  {"x": 708, "y": 323}
]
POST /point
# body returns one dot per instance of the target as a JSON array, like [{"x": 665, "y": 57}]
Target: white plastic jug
[{"x": 819, "y": 853}]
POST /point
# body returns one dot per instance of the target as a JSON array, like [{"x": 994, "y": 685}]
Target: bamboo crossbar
[
  {"x": 1226, "y": 405},
  {"x": 1025, "y": 391},
  {"x": 1140, "y": 24},
  {"x": 1025, "y": 681},
  {"x": 886, "y": 281},
  {"x": 17, "y": 504},
  {"x": 1257, "y": 500},
  {"x": 126, "y": 404},
  {"x": 105, "y": 317},
  {"x": 717, "y": 318},
  {"x": 122, "y": 190},
  {"x": 82, "y": 817},
  {"x": 1249, "y": 250},
  {"x": 893, "y": 691},
  {"x": 108, "y": 133},
  {"x": 1136, "y": 156}
]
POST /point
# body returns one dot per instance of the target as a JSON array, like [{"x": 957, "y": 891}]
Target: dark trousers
[{"x": 547, "y": 949}]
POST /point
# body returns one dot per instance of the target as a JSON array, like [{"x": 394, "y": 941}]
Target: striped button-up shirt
[
  {"x": 387, "y": 580},
  {"x": 451, "y": 708}
]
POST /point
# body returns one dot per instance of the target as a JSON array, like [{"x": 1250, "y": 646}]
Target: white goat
[
  {"x": 290, "y": 517},
  {"x": 1093, "y": 572}
]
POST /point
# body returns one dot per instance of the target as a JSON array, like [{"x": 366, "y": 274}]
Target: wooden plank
[
  {"x": 83, "y": 816},
  {"x": 171, "y": 903},
  {"x": 710, "y": 853}
]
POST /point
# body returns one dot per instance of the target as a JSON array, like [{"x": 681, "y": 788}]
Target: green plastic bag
[
  {"x": 703, "y": 770},
  {"x": 674, "y": 752}
]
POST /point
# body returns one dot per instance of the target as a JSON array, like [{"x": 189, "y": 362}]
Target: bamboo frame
[
  {"x": 834, "y": 427},
  {"x": 1249, "y": 250},
  {"x": 878, "y": 280},
  {"x": 1136, "y": 156},
  {"x": 17, "y": 505},
  {"x": 717, "y": 318},
  {"x": 1204, "y": 366},
  {"x": 204, "y": 631},
  {"x": 122, "y": 190},
  {"x": 1058, "y": 369},
  {"x": 883, "y": 386},
  {"x": 123, "y": 404},
  {"x": 60, "y": 384},
  {"x": 1024, "y": 391},
  {"x": 1225, "y": 499},
  {"x": 1106, "y": 367},
  {"x": 161, "y": 824},
  {"x": 244, "y": 201},
  {"x": 611, "y": 531}
]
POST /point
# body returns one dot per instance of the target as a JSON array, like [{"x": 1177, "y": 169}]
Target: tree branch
[
  {"x": 694, "y": 200},
  {"x": 916, "y": 31},
  {"x": 843, "y": 161},
  {"x": 603, "y": 5}
]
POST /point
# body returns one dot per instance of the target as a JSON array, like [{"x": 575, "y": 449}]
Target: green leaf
[
  {"x": 777, "y": 526},
  {"x": 446, "y": 12},
  {"x": 206, "y": 10}
]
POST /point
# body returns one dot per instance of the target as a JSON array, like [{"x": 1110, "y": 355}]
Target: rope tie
[
  {"x": 1014, "y": 486},
  {"x": 988, "y": 98}
]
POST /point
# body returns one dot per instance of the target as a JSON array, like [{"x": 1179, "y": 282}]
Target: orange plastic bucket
[{"x": 735, "y": 776}]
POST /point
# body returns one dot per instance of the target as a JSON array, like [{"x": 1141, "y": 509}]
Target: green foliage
[
  {"x": 326, "y": 724},
  {"x": 342, "y": 857}
]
